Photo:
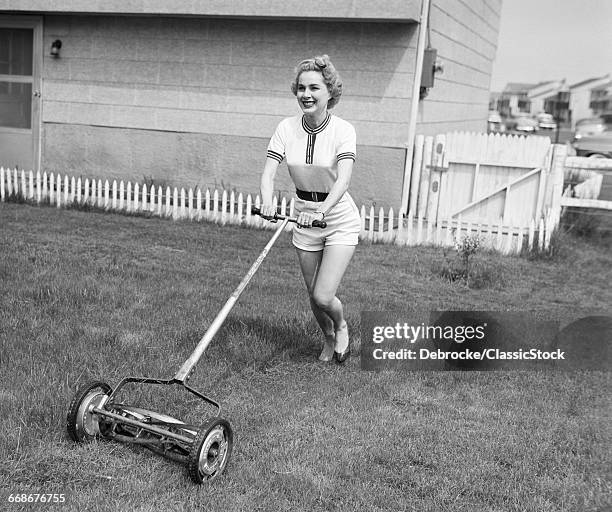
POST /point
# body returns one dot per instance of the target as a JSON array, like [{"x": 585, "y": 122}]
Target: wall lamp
[{"x": 55, "y": 48}]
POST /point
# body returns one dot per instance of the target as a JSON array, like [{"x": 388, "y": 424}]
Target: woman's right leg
[{"x": 310, "y": 263}]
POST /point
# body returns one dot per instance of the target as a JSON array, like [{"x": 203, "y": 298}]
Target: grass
[{"x": 91, "y": 295}]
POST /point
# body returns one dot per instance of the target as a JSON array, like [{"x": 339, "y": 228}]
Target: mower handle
[{"x": 315, "y": 223}]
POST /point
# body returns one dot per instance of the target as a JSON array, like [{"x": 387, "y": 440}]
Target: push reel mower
[{"x": 97, "y": 411}]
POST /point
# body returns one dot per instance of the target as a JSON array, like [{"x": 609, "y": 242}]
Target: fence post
[
  {"x": 436, "y": 174},
  {"x": 114, "y": 195},
  {"x": 390, "y": 230},
  {"x": 99, "y": 196},
  {"x": 207, "y": 203},
  {"x": 9, "y": 184},
  {"x": 190, "y": 208},
  {"x": 416, "y": 173},
  {"x": 121, "y": 194},
  {"x": 410, "y": 227},
  {"x": 249, "y": 204},
  {"x": 240, "y": 209},
  {"x": 43, "y": 189},
  {"x": 446, "y": 238},
  {"x": 224, "y": 207},
  {"x": 2, "y": 192},
  {"x": 199, "y": 204},
  {"x": 128, "y": 200},
  {"x": 557, "y": 175},
  {"x": 399, "y": 235},
  {"x": 232, "y": 207},
  {"x": 93, "y": 192},
  {"x": 520, "y": 240},
  {"x": 500, "y": 234},
  {"x": 31, "y": 184},
  {"x": 509, "y": 240},
  {"x": 183, "y": 204},
  {"x": 419, "y": 237},
  {"x": 175, "y": 201},
  {"x": 215, "y": 205},
  {"x": 66, "y": 190},
  {"x": 425, "y": 177},
  {"x": 168, "y": 206},
  {"x": 58, "y": 190},
  {"x": 429, "y": 231},
  {"x": 152, "y": 198}
]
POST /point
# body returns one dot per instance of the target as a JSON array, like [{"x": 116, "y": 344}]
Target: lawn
[{"x": 93, "y": 295}]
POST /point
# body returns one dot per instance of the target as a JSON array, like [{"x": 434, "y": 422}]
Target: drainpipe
[{"x": 414, "y": 107}]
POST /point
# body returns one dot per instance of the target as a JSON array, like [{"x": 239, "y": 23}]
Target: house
[
  {"x": 514, "y": 99},
  {"x": 188, "y": 93},
  {"x": 581, "y": 97},
  {"x": 551, "y": 97},
  {"x": 601, "y": 98},
  {"x": 524, "y": 98}
]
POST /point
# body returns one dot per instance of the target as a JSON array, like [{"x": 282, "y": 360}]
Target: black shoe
[{"x": 341, "y": 357}]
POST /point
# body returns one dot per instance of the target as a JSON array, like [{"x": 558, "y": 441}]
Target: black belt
[{"x": 317, "y": 197}]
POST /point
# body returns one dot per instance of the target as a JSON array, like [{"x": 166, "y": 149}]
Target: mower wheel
[
  {"x": 81, "y": 423},
  {"x": 210, "y": 451}
]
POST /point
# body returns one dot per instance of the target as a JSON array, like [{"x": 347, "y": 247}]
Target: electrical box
[{"x": 429, "y": 64}]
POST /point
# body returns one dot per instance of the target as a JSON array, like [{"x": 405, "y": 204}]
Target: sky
[{"x": 541, "y": 40}]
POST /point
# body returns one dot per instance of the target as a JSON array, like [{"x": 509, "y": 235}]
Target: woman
[{"x": 320, "y": 151}]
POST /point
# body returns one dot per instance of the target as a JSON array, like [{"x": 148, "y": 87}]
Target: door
[{"x": 20, "y": 70}]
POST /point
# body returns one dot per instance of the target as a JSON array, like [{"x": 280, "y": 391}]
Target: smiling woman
[{"x": 320, "y": 151}]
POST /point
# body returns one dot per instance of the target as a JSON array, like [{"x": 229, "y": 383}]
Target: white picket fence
[{"x": 235, "y": 208}]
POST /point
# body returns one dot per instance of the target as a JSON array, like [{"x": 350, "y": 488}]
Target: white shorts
[{"x": 343, "y": 225}]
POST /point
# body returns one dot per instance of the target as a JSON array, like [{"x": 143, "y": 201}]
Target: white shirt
[{"x": 313, "y": 155}]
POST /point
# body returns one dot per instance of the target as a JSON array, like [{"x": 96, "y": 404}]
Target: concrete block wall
[{"x": 194, "y": 101}]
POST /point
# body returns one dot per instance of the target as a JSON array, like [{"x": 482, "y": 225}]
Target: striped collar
[{"x": 319, "y": 128}]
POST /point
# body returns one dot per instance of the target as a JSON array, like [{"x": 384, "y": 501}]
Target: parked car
[
  {"x": 598, "y": 145},
  {"x": 495, "y": 123},
  {"x": 546, "y": 122},
  {"x": 589, "y": 126},
  {"x": 593, "y": 137},
  {"x": 526, "y": 124}
]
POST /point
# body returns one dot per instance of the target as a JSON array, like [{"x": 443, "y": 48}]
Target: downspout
[{"x": 414, "y": 107}]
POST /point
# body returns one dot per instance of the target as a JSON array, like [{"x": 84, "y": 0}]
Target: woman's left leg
[{"x": 334, "y": 263}]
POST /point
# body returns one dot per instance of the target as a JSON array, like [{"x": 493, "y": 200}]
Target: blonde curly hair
[{"x": 331, "y": 77}]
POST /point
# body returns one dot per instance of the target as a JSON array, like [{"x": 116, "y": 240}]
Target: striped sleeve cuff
[
  {"x": 344, "y": 156},
  {"x": 275, "y": 156}
]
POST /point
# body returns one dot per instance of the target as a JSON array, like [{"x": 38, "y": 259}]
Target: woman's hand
[
  {"x": 305, "y": 219},
  {"x": 267, "y": 211}
]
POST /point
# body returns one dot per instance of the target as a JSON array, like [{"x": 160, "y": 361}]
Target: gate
[{"x": 485, "y": 179}]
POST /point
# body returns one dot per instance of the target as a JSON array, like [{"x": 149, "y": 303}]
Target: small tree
[{"x": 466, "y": 246}]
